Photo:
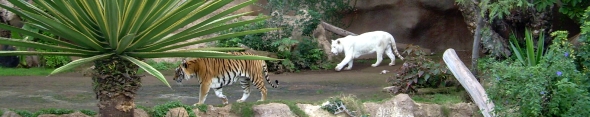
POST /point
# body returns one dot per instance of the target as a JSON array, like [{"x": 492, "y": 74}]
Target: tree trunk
[
  {"x": 490, "y": 40},
  {"x": 115, "y": 84}
]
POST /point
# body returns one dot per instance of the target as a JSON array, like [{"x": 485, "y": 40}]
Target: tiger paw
[
  {"x": 196, "y": 104},
  {"x": 348, "y": 68},
  {"x": 239, "y": 101},
  {"x": 337, "y": 69},
  {"x": 374, "y": 65},
  {"x": 391, "y": 64}
]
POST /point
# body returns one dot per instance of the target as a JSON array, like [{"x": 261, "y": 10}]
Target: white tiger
[{"x": 366, "y": 43}]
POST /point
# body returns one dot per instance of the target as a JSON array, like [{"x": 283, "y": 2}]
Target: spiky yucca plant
[{"x": 118, "y": 34}]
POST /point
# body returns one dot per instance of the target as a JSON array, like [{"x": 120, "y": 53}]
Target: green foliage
[
  {"x": 583, "y": 51},
  {"x": 308, "y": 55},
  {"x": 25, "y": 72},
  {"x": 528, "y": 56},
  {"x": 23, "y": 113},
  {"x": 53, "y": 111},
  {"x": 551, "y": 88},
  {"x": 244, "y": 109},
  {"x": 282, "y": 42},
  {"x": 419, "y": 71},
  {"x": 163, "y": 65},
  {"x": 574, "y": 9},
  {"x": 161, "y": 110},
  {"x": 348, "y": 104},
  {"x": 1, "y": 112},
  {"x": 88, "y": 112}
]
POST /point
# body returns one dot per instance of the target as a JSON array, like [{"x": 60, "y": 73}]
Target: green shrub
[
  {"x": 529, "y": 56},
  {"x": 1, "y": 112},
  {"x": 161, "y": 110},
  {"x": 88, "y": 112},
  {"x": 23, "y": 113},
  {"x": 53, "y": 111},
  {"x": 299, "y": 53},
  {"x": 163, "y": 65},
  {"x": 419, "y": 71},
  {"x": 554, "y": 87},
  {"x": 583, "y": 52}
]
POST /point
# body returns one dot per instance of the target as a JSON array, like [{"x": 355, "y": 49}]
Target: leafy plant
[
  {"x": 528, "y": 56},
  {"x": 88, "y": 112},
  {"x": 161, "y": 110},
  {"x": 419, "y": 71},
  {"x": 117, "y": 35},
  {"x": 583, "y": 51},
  {"x": 347, "y": 104},
  {"x": 23, "y": 113},
  {"x": 53, "y": 111},
  {"x": 551, "y": 88}
]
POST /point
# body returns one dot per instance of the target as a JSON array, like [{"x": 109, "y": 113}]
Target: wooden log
[
  {"x": 336, "y": 30},
  {"x": 468, "y": 81}
]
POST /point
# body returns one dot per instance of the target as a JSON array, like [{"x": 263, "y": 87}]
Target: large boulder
[
  {"x": 273, "y": 110},
  {"x": 317, "y": 111},
  {"x": 215, "y": 112},
  {"x": 433, "y": 24}
]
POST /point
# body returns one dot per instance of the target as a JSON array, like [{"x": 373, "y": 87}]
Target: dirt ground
[{"x": 74, "y": 91}]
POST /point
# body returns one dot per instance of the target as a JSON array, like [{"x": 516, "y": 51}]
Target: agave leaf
[
  {"x": 230, "y": 35},
  {"x": 177, "y": 54},
  {"x": 79, "y": 62},
  {"x": 220, "y": 49},
  {"x": 245, "y": 57},
  {"x": 517, "y": 53},
  {"x": 111, "y": 21},
  {"x": 21, "y": 43},
  {"x": 26, "y": 32},
  {"x": 58, "y": 28},
  {"x": 12, "y": 53},
  {"x": 222, "y": 14},
  {"x": 175, "y": 38},
  {"x": 149, "y": 69},
  {"x": 540, "y": 47},
  {"x": 186, "y": 17},
  {"x": 530, "y": 48},
  {"x": 189, "y": 34},
  {"x": 162, "y": 26},
  {"x": 124, "y": 43}
]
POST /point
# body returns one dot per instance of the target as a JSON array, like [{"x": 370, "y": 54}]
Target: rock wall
[{"x": 433, "y": 24}]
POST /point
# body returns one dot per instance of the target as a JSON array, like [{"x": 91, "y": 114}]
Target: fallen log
[
  {"x": 468, "y": 81},
  {"x": 336, "y": 30}
]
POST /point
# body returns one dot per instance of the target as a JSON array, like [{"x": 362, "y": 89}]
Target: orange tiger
[{"x": 214, "y": 73}]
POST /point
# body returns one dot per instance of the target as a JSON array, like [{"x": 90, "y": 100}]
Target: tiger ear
[
  {"x": 184, "y": 63},
  {"x": 338, "y": 41}
]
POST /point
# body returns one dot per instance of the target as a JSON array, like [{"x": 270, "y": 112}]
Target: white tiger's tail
[
  {"x": 394, "y": 47},
  {"x": 265, "y": 70}
]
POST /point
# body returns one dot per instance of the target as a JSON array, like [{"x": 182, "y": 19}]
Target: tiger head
[
  {"x": 183, "y": 72},
  {"x": 337, "y": 47}
]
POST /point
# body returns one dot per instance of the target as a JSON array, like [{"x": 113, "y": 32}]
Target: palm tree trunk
[{"x": 115, "y": 84}]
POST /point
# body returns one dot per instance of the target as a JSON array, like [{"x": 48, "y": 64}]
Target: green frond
[
  {"x": 79, "y": 62},
  {"x": 225, "y": 36},
  {"x": 149, "y": 69},
  {"x": 13, "y": 53},
  {"x": 31, "y": 44},
  {"x": 181, "y": 53}
]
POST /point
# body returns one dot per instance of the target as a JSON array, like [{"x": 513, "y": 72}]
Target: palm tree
[{"x": 116, "y": 35}]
